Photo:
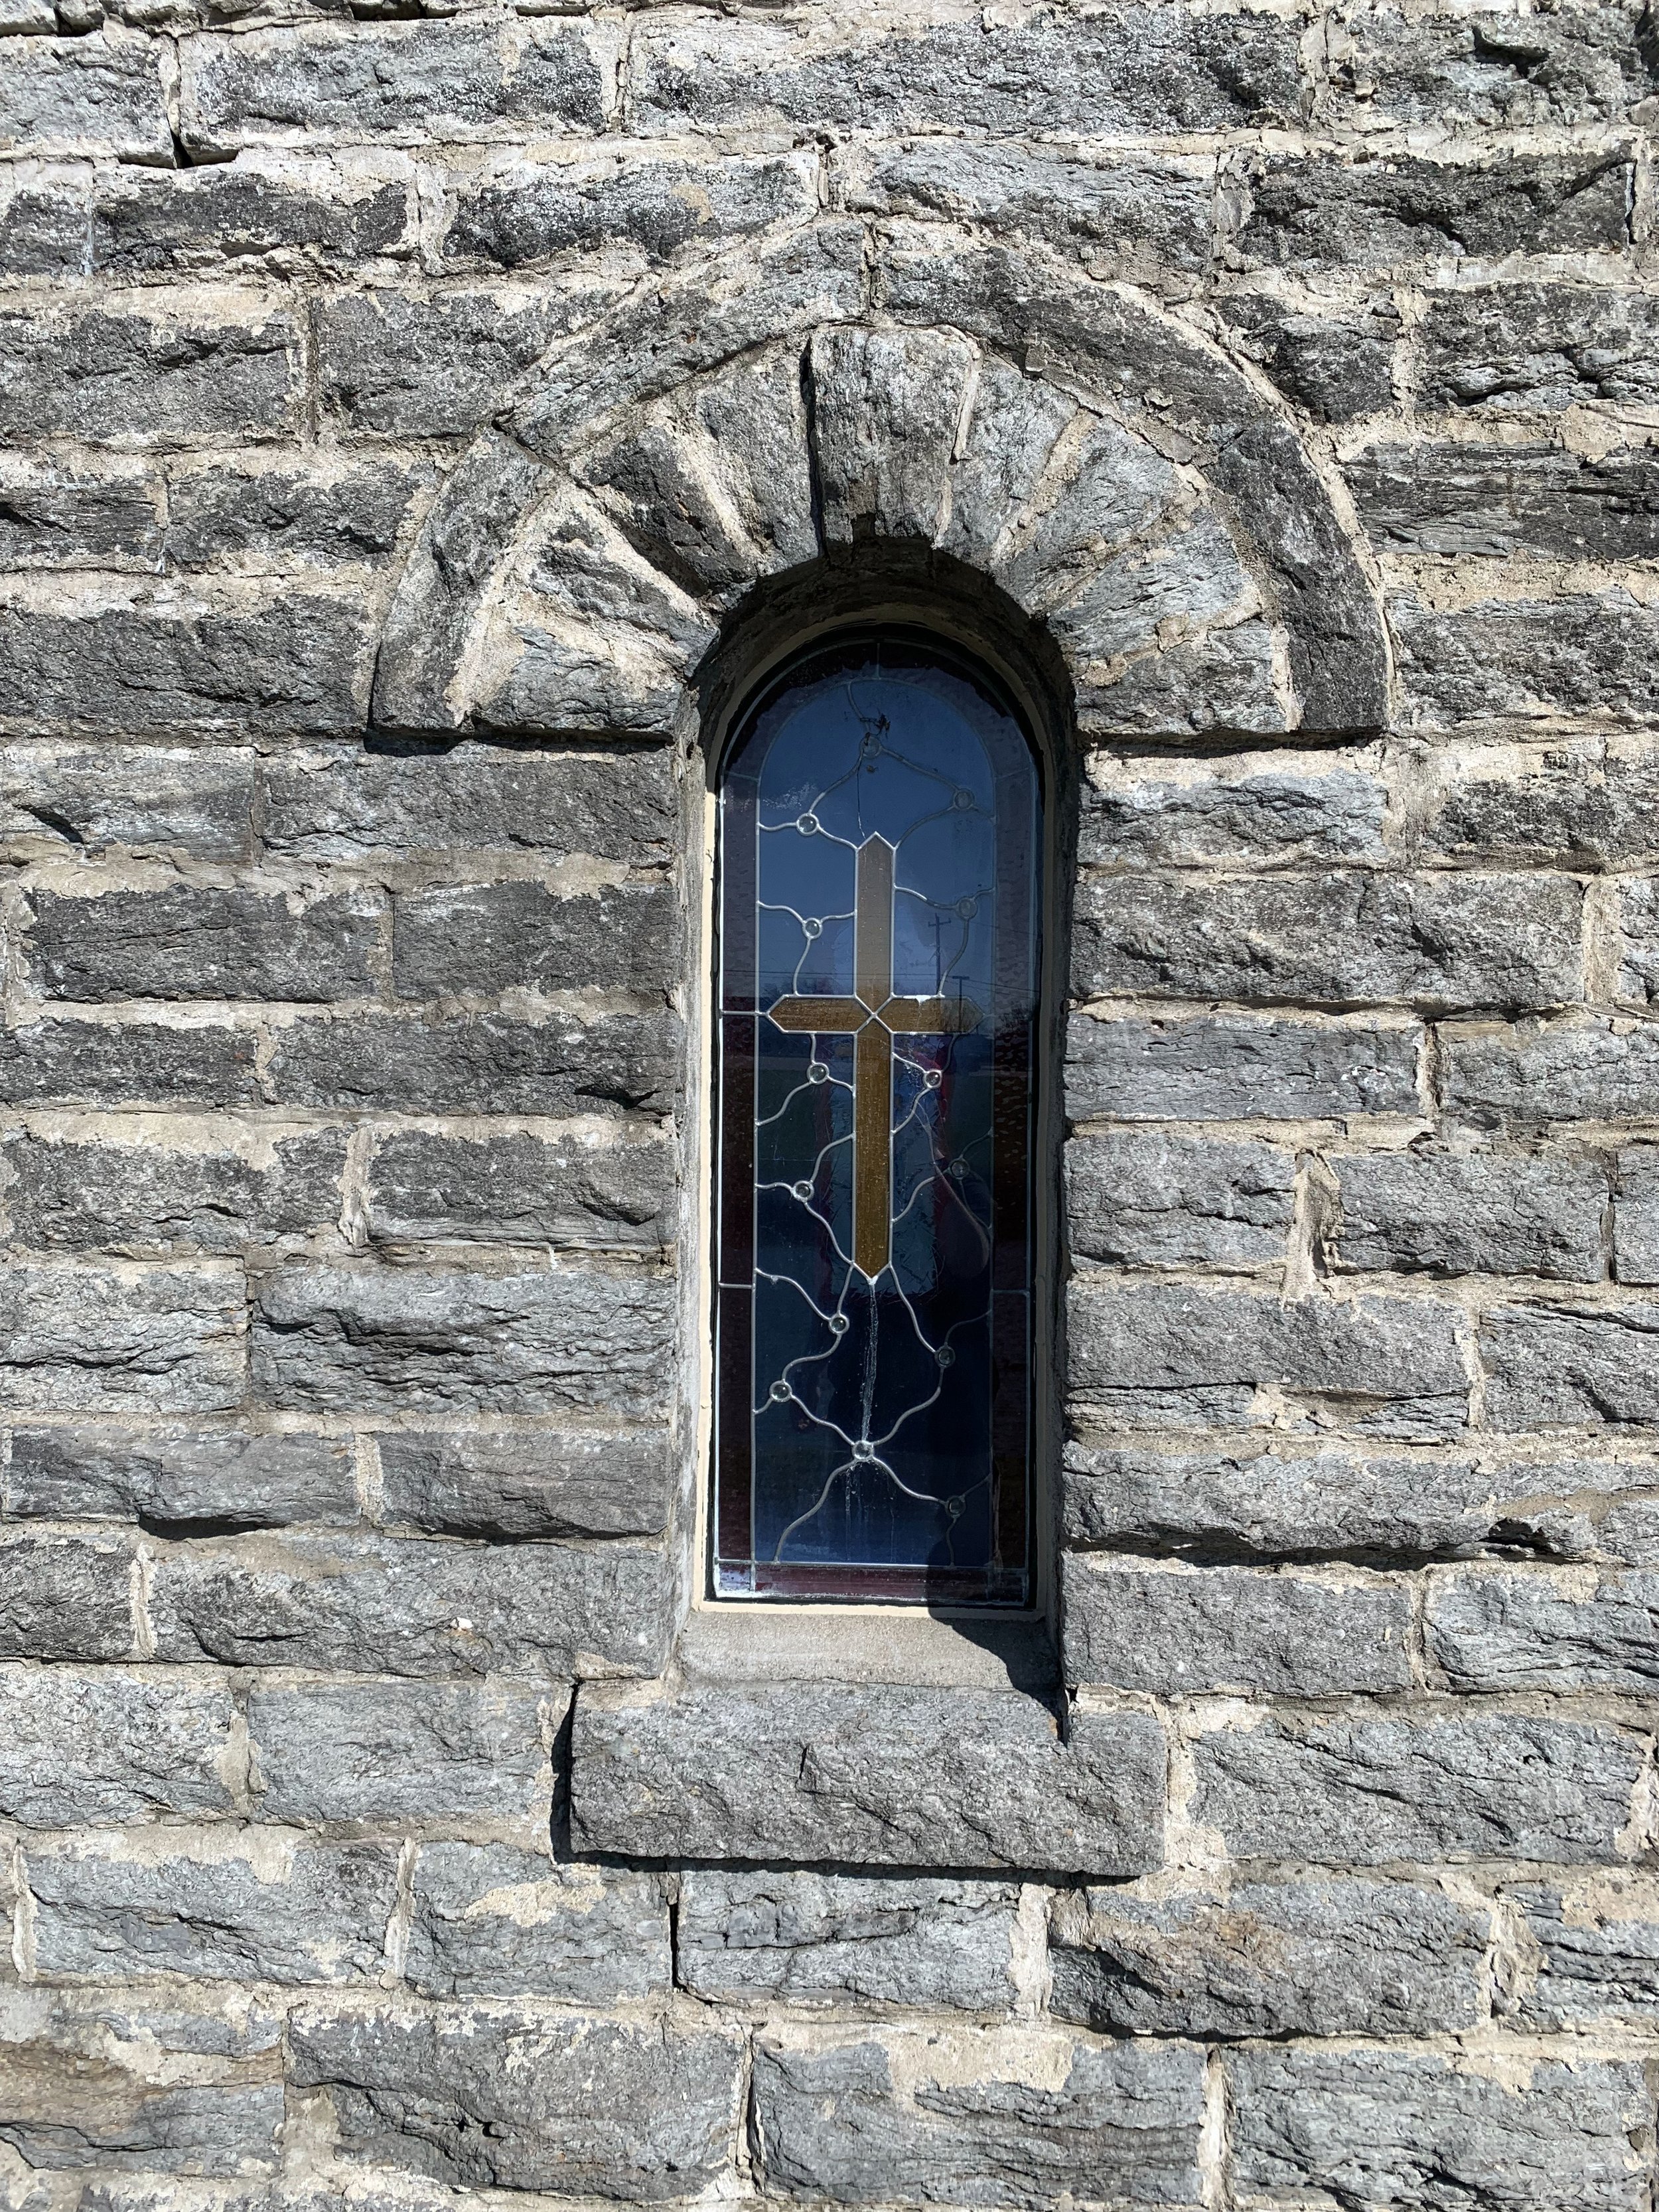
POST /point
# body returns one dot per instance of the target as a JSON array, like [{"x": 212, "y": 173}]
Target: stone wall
[{"x": 402, "y": 418}]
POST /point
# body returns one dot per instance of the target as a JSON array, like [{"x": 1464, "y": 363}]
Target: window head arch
[{"x": 879, "y": 919}]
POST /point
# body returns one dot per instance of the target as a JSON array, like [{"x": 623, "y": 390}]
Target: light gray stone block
[
  {"x": 186, "y": 943},
  {"x": 122, "y": 378},
  {"x": 552, "y": 1482},
  {"x": 1520, "y": 1630},
  {"x": 490, "y": 1921},
  {"x": 1226, "y": 1067},
  {"x": 277, "y": 520},
  {"x": 1334, "y": 365},
  {"x": 1587, "y": 654},
  {"x": 1562, "y": 1366},
  {"x": 400, "y": 366},
  {"x": 110, "y": 1746},
  {"x": 139, "y": 1197},
  {"x": 1229, "y": 812},
  {"x": 103, "y": 94},
  {"x": 1590, "y": 1956},
  {"x": 1574, "y": 803},
  {"x": 1494, "y": 502},
  {"x": 885, "y": 410},
  {"x": 522, "y": 1189},
  {"x": 1636, "y": 1215},
  {"x": 1534, "y": 349},
  {"x": 154, "y": 1340},
  {"x": 1154, "y": 1200},
  {"x": 521, "y": 936},
  {"x": 66, "y": 1598},
  {"x": 194, "y": 800},
  {"x": 525, "y": 215},
  {"x": 1584, "y": 64},
  {"x": 179, "y": 1481},
  {"x": 1491, "y": 1212},
  {"x": 227, "y": 219}
]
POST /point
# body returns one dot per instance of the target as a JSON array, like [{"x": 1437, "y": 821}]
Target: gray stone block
[
  {"x": 347, "y": 802},
  {"x": 1322, "y": 211},
  {"x": 1559, "y": 1366},
  {"x": 1151, "y": 1201},
  {"x": 1586, "y": 804},
  {"x": 1397, "y": 2129},
  {"x": 103, "y": 94},
  {"x": 330, "y": 1338},
  {"x": 1131, "y": 71},
  {"x": 1400, "y": 1787},
  {"x": 1208, "y": 813},
  {"x": 54, "y": 516},
  {"x": 1171, "y": 1356},
  {"x": 85, "y": 1063},
  {"x": 1638, "y": 980},
  {"x": 152, "y": 1339},
  {"x": 569, "y": 1482},
  {"x": 1131, "y": 215},
  {"x": 1519, "y": 1630},
  {"x": 1636, "y": 1215},
  {"x": 134, "y": 1197},
  {"x": 66, "y": 1598},
  {"x": 886, "y": 406},
  {"x": 196, "y": 801},
  {"x": 1528, "y": 1078},
  {"x": 294, "y": 667},
  {"x": 1015, "y": 2117},
  {"x": 1591, "y": 1955},
  {"x": 637, "y": 2110},
  {"x": 819, "y": 1940},
  {"x": 527, "y": 214},
  {"x": 1174, "y": 1632},
  {"x": 1236, "y": 1067},
  {"x": 1533, "y": 349},
  {"x": 410, "y": 367},
  {"x": 274, "y": 1910},
  {"x": 274, "y": 518},
  {"x": 178, "y": 1481},
  {"x": 566, "y": 1190},
  {"x": 489, "y": 1921},
  {"x": 1446, "y": 940},
  {"x": 108, "y": 1746},
  {"x": 1324, "y": 1955},
  {"x": 187, "y": 942},
  {"x": 521, "y": 936},
  {"x": 1587, "y": 653},
  {"x": 44, "y": 233},
  {"x": 564, "y": 1064},
  {"x": 1335, "y": 366},
  {"x": 1487, "y": 1213},
  {"x": 403, "y": 81},
  {"x": 379, "y": 1753},
  {"x": 229, "y": 219},
  {"x": 1492, "y": 501},
  {"x": 806, "y": 1773},
  {"x": 390, "y": 1605},
  {"x": 1577, "y": 65},
  {"x": 114, "y": 378}
]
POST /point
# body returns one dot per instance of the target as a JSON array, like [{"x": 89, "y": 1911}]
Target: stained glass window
[{"x": 879, "y": 900}]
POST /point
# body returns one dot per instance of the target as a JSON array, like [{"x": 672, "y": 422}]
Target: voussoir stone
[{"x": 878, "y": 1776}]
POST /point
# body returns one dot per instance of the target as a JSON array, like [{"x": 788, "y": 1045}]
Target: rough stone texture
[
  {"x": 1161, "y": 1202},
  {"x": 1489, "y": 1214},
  {"x": 134, "y": 1198},
  {"x": 1589, "y": 1955},
  {"x": 569, "y": 1482},
  {"x": 1560, "y": 1366},
  {"x": 489, "y": 1921},
  {"x": 178, "y": 1481},
  {"x": 1210, "y": 1067},
  {"x": 1522, "y": 1632},
  {"x": 107, "y": 1747}
]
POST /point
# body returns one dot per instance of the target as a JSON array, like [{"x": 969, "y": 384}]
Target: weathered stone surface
[
  {"x": 669, "y": 487},
  {"x": 1487, "y": 1213},
  {"x": 1590, "y": 653},
  {"x": 1321, "y": 1956},
  {"x": 345, "y": 802},
  {"x": 1538, "y": 348},
  {"x": 335, "y": 1337},
  {"x": 1321, "y": 211},
  {"x": 880, "y": 1777},
  {"x": 1170, "y": 1356},
  {"x": 1591, "y": 1956},
  {"x": 397, "y": 81},
  {"x": 634, "y": 2111},
  {"x": 490, "y": 1921},
  {"x": 1593, "y": 802},
  {"x": 1227, "y": 1067},
  {"x": 562, "y": 1064},
  {"x": 1490, "y": 501},
  {"x": 569, "y": 1482},
  {"x": 1528, "y": 1078},
  {"x": 566, "y": 1190},
  {"x": 526, "y": 215},
  {"x": 269, "y": 520},
  {"x": 521, "y": 936},
  {"x": 1636, "y": 1215},
  {"x": 886, "y": 408},
  {"x": 1514, "y": 1631},
  {"x": 43, "y": 233},
  {"x": 380, "y": 1752},
  {"x": 1174, "y": 1631},
  {"x": 1580, "y": 64},
  {"x": 192, "y": 800},
  {"x": 131, "y": 1197},
  {"x": 1130, "y": 70},
  {"x": 409, "y": 368},
  {"x": 296, "y": 666},
  {"x": 1372, "y": 1790},
  {"x": 1159, "y": 1201},
  {"x": 1236, "y": 810},
  {"x": 1334, "y": 366},
  {"x": 95, "y": 95},
  {"x": 272, "y": 1910},
  {"x": 386, "y": 1605},
  {"x": 109, "y": 1746},
  {"x": 1444, "y": 940},
  {"x": 188, "y": 943},
  {"x": 54, "y": 516},
  {"x": 1039, "y": 2116},
  {"x": 178, "y": 1481},
  {"x": 829, "y": 1939},
  {"x": 1397, "y": 2129},
  {"x": 1561, "y": 1366},
  {"x": 65, "y": 1598},
  {"x": 210, "y": 220},
  {"x": 128, "y": 378},
  {"x": 156, "y": 1339},
  {"x": 62, "y": 1062}
]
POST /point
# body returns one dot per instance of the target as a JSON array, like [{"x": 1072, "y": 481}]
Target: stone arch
[{"x": 1133, "y": 489}]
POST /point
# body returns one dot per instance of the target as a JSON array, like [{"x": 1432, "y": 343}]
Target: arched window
[{"x": 878, "y": 917}]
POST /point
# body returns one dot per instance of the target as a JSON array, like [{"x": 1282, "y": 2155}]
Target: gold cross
[{"x": 873, "y": 1017}]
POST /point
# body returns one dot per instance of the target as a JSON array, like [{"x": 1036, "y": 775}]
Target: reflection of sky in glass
[{"x": 872, "y": 1405}]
